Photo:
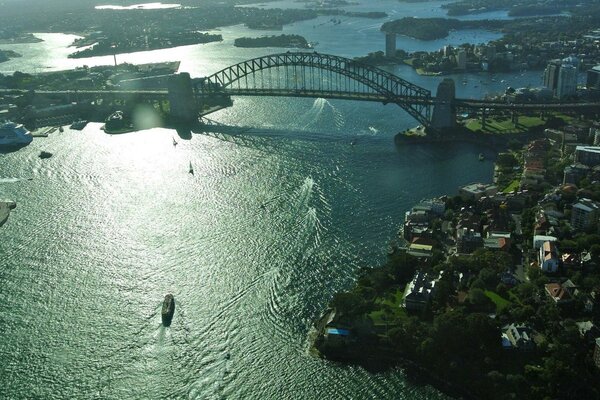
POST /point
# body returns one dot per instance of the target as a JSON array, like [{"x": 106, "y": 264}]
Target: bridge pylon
[
  {"x": 182, "y": 102},
  {"x": 444, "y": 113}
]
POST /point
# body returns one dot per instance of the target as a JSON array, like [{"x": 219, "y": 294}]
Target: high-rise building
[
  {"x": 461, "y": 59},
  {"x": 567, "y": 81},
  {"x": 551, "y": 75},
  {"x": 390, "y": 44},
  {"x": 584, "y": 214},
  {"x": 447, "y": 50},
  {"x": 593, "y": 78}
]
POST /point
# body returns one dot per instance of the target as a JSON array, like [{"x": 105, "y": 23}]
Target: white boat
[{"x": 12, "y": 134}]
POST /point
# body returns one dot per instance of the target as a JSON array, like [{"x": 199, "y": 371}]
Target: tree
[
  {"x": 478, "y": 299},
  {"x": 349, "y": 303}
]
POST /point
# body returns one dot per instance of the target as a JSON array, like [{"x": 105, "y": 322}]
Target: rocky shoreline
[{"x": 5, "y": 207}]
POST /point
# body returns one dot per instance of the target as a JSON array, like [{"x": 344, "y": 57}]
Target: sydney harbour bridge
[{"x": 315, "y": 75}]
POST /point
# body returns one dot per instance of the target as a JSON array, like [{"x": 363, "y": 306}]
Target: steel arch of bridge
[{"x": 388, "y": 87}]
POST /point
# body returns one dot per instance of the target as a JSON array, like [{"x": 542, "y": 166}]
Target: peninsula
[
  {"x": 116, "y": 46},
  {"x": 493, "y": 293},
  {"x": 6, "y": 55}
]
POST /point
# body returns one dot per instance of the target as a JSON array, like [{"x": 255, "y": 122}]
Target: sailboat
[{"x": 191, "y": 171}]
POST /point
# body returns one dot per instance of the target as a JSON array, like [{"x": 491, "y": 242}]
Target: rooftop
[{"x": 589, "y": 149}]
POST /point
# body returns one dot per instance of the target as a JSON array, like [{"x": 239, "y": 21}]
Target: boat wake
[{"x": 14, "y": 180}]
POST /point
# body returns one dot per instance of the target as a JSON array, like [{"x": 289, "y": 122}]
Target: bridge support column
[
  {"x": 483, "y": 118},
  {"x": 444, "y": 114},
  {"x": 181, "y": 98},
  {"x": 514, "y": 117}
]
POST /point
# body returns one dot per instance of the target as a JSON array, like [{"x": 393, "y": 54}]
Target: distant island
[
  {"x": 6, "y": 55},
  {"x": 289, "y": 41}
]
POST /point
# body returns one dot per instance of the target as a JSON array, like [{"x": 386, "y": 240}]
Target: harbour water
[{"x": 280, "y": 213}]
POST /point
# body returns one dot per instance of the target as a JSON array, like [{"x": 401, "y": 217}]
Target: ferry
[
  {"x": 12, "y": 134},
  {"x": 168, "y": 309}
]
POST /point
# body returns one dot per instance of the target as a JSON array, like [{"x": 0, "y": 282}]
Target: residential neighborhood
[{"x": 515, "y": 262}]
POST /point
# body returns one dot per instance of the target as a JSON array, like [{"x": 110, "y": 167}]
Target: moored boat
[
  {"x": 168, "y": 309},
  {"x": 117, "y": 123},
  {"x": 12, "y": 134},
  {"x": 79, "y": 125}
]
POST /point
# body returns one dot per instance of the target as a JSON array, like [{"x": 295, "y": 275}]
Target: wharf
[{"x": 43, "y": 132}]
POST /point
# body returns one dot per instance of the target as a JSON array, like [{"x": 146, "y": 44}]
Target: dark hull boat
[{"x": 168, "y": 309}]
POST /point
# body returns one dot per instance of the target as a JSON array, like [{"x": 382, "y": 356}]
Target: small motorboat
[
  {"x": 481, "y": 157},
  {"x": 79, "y": 124},
  {"x": 168, "y": 309},
  {"x": 45, "y": 154}
]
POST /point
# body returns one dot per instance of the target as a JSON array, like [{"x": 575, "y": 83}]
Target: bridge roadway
[{"x": 467, "y": 104}]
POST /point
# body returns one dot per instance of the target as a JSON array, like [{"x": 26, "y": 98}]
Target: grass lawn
[
  {"x": 500, "y": 302},
  {"x": 393, "y": 303},
  {"x": 504, "y": 125},
  {"x": 514, "y": 185}
]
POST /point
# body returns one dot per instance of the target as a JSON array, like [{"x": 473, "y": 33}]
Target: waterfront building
[
  {"x": 567, "y": 81},
  {"x": 436, "y": 206},
  {"x": 390, "y": 44},
  {"x": 584, "y": 214},
  {"x": 551, "y": 75},
  {"x": 588, "y": 155},
  {"x": 475, "y": 191},
  {"x": 419, "y": 250},
  {"x": 593, "y": 78}
]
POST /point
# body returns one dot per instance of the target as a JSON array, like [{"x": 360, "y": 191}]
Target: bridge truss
[{"x": 303, "y": 74}]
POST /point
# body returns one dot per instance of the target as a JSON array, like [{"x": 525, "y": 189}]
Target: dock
[{"x": 43, "y": 132}]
